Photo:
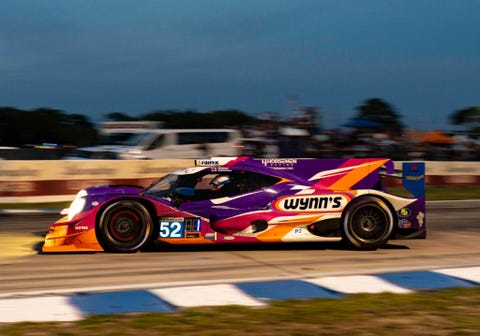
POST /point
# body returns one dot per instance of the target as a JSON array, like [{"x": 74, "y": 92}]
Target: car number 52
[{"x": 171, "y": 229}]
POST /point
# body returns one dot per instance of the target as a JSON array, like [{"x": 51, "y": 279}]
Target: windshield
[
  {"x": 163, "y": 187},
  {"x": 135, "y": 139},
  {"x": 116, "y": 138}
]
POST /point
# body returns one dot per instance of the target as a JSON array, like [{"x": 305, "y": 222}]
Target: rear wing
[
  {"x": 412, "y": 175},
  {"x": 413, "y": 178}
]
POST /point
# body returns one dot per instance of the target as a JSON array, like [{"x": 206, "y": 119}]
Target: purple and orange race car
[{"x": 248, "y": 200}]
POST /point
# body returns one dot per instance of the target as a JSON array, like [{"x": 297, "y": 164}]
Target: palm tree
[
  {"x": 467, "y": 116},
  {"x": 376, "y": 109}
]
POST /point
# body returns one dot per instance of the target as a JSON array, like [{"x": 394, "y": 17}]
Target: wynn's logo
[{"x": 311, "y": 203}]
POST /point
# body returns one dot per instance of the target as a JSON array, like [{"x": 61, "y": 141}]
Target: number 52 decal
[{"x": 172, "y": 229}]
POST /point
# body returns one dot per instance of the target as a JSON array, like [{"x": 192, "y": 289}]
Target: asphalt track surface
[{"x": 453, "y": 240}]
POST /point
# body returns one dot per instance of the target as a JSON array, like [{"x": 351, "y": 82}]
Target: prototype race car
[{"x": 248, "y": 200}]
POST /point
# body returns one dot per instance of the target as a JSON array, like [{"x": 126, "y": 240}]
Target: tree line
[
  {"x": 32, "y": 127},
  {"x": 21, "y": 128},
  {"x": 46, "y": 125}
]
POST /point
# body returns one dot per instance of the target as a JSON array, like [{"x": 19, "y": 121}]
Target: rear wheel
[
  {"x": 367, "y": 223},
  {"x": 124, "y": 226}
]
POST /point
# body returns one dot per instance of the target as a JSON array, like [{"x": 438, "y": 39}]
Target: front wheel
[
  {"x": 124, "y": 226},
  {"x": 367, "y": 223}
]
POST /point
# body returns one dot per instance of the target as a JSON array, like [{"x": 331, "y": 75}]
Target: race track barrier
[{"x": 59, "y": 181}]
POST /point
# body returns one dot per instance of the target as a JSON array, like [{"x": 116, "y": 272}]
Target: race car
[{"x": 248, "y": 200}]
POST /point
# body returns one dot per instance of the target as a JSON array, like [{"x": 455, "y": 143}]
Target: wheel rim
[
  {"x": 124, "y": 226},
  {"x": 369, "y": 224}
]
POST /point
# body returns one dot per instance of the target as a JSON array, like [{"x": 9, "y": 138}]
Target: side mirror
[{"x": 185, "y": 191}]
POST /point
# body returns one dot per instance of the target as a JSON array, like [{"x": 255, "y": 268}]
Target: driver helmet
[{"x": 219, "y": 181}]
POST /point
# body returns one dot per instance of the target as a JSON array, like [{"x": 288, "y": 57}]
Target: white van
[
  {"x": 116, "y": 132},
  {"x": 169, "y": 144}
]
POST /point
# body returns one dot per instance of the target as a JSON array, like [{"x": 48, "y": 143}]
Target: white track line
[
  {"x": 38, "y": 309},
  {"x": 214, "y": 295},
  {"x": 351, "y": 284}
]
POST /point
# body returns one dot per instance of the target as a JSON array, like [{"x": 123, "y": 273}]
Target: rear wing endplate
[{"x": 413, "y": 177}]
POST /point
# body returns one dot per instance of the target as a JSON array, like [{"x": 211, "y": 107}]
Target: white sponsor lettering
[
  {"x": 207, "y": 163},
  {"x": 267, "y": 162},
  {"x": 311, "y": 203}
]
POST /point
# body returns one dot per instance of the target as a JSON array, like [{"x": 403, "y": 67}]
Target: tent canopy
[
  {"x": 362, "y": 123},
  {"x": 437, "y": 137}
]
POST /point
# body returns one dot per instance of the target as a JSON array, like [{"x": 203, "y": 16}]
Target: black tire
[
  {"x": 124, "y": 226},
  {"x": 368, "y": 223}
]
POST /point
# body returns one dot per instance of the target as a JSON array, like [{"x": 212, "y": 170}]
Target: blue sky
[{"x": 102, "y": 56}]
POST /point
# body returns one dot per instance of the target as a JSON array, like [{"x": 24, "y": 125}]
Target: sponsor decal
[
  {"x": 220, "y": 169},
  {"x": 192, "y": 224},
  {"x": 415, "y": 178},
  {"x": 280, "y": 163},
  {"x": 412, "y": 167},
  {"x": 311, "y": 203},
  {"x": 404, "y": 224},
  {"x": 404, "y": 212},
  {"x": 267, "y": 162},
  {"x": 207, "y": 163},
  {"x": 81, "y": 227},
  {"x": 420, "y": 218},
  {"x": 211, "y": 236}
]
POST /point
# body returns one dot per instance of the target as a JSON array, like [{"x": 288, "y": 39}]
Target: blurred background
[
  {"x": 295, "y": 78},
  {"x": 375, "y": 130},
  {"x": 173, "y": 79}
]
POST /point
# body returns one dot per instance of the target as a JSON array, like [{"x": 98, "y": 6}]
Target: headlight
[{"x": 78, "y": 204}]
